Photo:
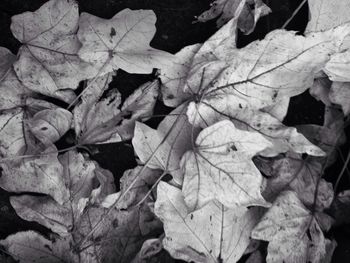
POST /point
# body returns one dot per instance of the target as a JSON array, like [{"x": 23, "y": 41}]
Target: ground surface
[{"x": 174, "y": 31}]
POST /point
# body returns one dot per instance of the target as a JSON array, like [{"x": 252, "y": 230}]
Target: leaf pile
[{"x": 238, "y": 175}]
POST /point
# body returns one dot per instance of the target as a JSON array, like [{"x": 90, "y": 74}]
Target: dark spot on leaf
[
  {"x": 44, "y": 128},
  {"x": 240, "y": 106},
  {"x": 191, "y": 216},
  {"x": 113, "y": 33},
  {"x": 170, "y": 96},
  {"x": 110, "y": 53},
  {"x": 233, "y": 148}
]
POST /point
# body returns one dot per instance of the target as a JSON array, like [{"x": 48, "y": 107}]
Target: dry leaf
[
  {"x": 106, "y": 121},
  {"x": 220, "y": 167},
  {"x": 227, "y": 9},
  {"x": 211, "y": 234},
  {"x": 283, "y": 138},
  {"x": 79, "y": 177},
  {"x": 48, "y": 61},
  {"x": 262, "y": 73},
  {"x": 121, "y": 42},
  {"x": 293, "y": 234}
]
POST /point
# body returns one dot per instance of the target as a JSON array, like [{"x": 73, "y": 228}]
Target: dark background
[{"x": 174, "y": 31}]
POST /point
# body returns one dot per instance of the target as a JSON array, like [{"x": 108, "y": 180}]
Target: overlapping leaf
[
  {"x": 164, "y": 147},
  {"x": 48, "y": 62},
  {"x": 220, "y": 167},
  {"x": 293, "y": 233},
  {"x": 283, "y": 138},
  {"x": 211, "y": 234},
  {"x": 106, "y": 120},
  {"x": 262, "y": 73},
  {"x": 227, "y": 9},
  {"x": 121, "y": 42}
]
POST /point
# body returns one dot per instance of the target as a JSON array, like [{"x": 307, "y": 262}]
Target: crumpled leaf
[
  {"x": 326, "y": 14},
  {"x": 211, "y": 234},
  {"x": 78, "y": 178},
  {"x": 220, "y": 167},
  {"x": 106, "y": 121},
  {"x": 262, "y": 73},
  {"x": 121, "y": 42},
  {"x": 48, "y": 62},
  {"x": 226, "y": 10},
  {"x": 283, "y": 138},
  {"x": 29, "y": 246},
  {"x": 300, "y": 175},
  {"x": 174, "y": 75},
  {"x": 11, "y": 89},
  {"x": 166, "y": 145},
  {"x": 293, "y": 233},
  {"x": 50, "y": 125}
]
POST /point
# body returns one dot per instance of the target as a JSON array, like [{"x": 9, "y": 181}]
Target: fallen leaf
[
  {"x": 211, "y": 234},
  {"x": 227, "y": 9},
  {"x": 174, "y": 75},
  {"x": 31, "y": 247},
  {"x": 303, "y": 177},
  {"x": 220, "y": 167},
  {"x": 50, "y": 125},
  {"x": 292, "y": 232},
  {"x": 340, "y": 208},
  {"x": 106, "y": 121},
  {"x": 163, "y": 148},
  {"x": 262, "y": 73},
  {"x": 121, "y": 42},
  {"x": 48, "y": 62},
  {"x": 38, "y": 174},
  {"x": 282, "y": 138},
  {"x": 78, "y": 178}
]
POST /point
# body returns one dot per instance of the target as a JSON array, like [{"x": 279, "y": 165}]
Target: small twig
[{"x": 294, "y": 14}]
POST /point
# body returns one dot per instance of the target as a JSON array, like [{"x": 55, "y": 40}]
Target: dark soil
[{"x": 174, "y": 31}]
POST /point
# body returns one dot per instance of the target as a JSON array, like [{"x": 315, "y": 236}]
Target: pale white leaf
[
  {"x": 211, "y": 234},
  {"x": 48, "y": 62},
  {"x": 121, "y": 42},
  {"x": 220, "y": 167}
]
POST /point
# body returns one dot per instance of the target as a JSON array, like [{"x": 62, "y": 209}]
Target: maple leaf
[
  {"x": 12, "y": 90},
  {"x": 106, "y": 120},
  {"x": 121, "y": 42},
  {"x": 220, "y": 167},
  {"x": 210, "y": 234},
  {"x": 77, "y": 180},
  {"x": 227, "y": 9},
  {"x": 262, "y": 73},
  {"x": 48, "y": 62},
  {"x": 293, "y": 233}
]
